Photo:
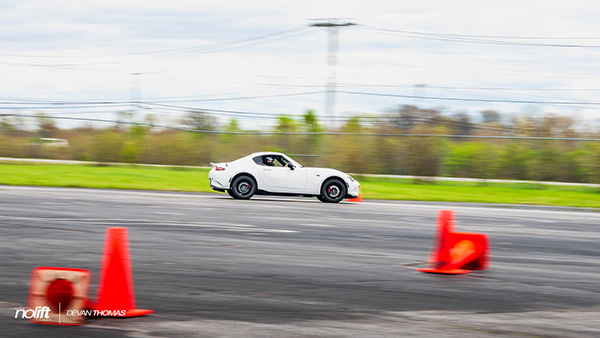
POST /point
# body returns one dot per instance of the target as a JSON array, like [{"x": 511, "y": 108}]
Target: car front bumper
[{"x": 353, "y": 189}]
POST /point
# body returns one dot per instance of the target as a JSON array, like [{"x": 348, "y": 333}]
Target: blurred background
[{"x": 466, "y": 89}]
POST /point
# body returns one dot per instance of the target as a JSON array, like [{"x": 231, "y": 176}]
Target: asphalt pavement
[{"x": 211, "y": 266}]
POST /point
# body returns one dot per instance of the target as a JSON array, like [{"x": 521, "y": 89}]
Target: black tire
[
  {"x": 229, "y": 192},
  {"x": 320, "y": 198},
  {"x": 243, "y": 187},
  {"x": 333, "y": 191}
]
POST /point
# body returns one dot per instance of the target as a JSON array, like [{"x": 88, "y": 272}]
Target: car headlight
[{"x": 351, "y": 179}]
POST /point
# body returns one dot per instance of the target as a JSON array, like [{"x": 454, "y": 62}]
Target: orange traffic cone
[
  {"x": 116, "y": 296},
  {"x": 457, "y": 252}
]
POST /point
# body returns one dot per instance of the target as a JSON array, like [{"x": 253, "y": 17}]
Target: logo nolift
[{"x": 40, "y": 312}]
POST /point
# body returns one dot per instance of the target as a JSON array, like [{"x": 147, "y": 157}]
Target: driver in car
[{"x": 269, "y": 161}]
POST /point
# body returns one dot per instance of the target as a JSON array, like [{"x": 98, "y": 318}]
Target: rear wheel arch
[{"x": 242, "y": 174}]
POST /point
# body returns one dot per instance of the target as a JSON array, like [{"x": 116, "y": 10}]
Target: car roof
[{"x": 260, "y": 153}]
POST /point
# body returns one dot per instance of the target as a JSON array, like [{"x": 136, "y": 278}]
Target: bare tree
[
  {"x": 199, "y": 120},
  {"x": 490, "y": 116}
]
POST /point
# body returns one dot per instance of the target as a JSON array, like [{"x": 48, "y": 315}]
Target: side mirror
[{"x": 291, "y": 166}]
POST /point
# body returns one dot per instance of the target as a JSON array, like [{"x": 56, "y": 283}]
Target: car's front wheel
[
  {"x": 243, "y": 187},
  {"x": 333, "y": 191}
]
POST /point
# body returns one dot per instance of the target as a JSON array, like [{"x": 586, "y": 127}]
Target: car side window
[
  {"x": 277, "y": 161},
  {"x": 280, "y": 161},
  {"x": 267, "y": 161},
  {"x": 270, "y": 161},
  {"x": 258, "y": 160}
]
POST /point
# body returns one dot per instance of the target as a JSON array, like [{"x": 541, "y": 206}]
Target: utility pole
[
  {"x": 134, "y": 95},
  {"x": 422, "y": 96},
  {"x": 332, "y": 26}
]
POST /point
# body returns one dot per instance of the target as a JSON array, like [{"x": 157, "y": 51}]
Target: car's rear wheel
[
  {"x": 333, "y": 191},
  {"x": 230, "y": 193},
  {"x": 243, "y": 187}
]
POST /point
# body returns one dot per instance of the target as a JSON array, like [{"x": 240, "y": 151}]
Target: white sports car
[{"x": 278, "y": 174}]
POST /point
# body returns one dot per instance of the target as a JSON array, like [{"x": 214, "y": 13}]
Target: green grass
[
  {"x": 505, "y": 193},
  {"x": 118, "y": 177},
  {"x": 196, "y": 180}
]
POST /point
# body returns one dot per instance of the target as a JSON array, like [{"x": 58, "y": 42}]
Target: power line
[
  {"x": 467, "y": 38},
  {"x": 29, "y": 104},
  {"x": 210, "y": 48},
  {"x": 306, "y": 133},
  {"x": 155, "y": 100},
  {"x": 57, "y": 65},
  {"x": 464, "y": 38},
  {"x": 487, "y": 36},
  {"x": 471, "y": 99},
  {"x": 53, "y": 107},
  {"x": 237, "y": 98},
  {"x": 233, "y": 47},
  {"x": 433, "y": 86},
  {"x": 385, "y": 119},
  {"x": 226, "y": 45}
]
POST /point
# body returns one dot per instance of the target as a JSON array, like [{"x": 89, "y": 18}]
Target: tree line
[{"x": 456, "y": 145}]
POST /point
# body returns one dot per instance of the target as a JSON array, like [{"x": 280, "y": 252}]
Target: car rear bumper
[{"x": 218, "y": 183}]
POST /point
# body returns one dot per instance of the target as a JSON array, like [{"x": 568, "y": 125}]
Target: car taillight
[{"x": 219, "y": 168}]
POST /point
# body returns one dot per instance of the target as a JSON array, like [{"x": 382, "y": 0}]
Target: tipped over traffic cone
[
  {"x": 116, "y": 295},
  {"x": 57, "y": 296},
  {"x": 457, "y": 252},
  {"x": 356, "y": 199}
]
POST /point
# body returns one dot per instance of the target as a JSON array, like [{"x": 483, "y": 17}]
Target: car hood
[{"x": 327, "y": 171}]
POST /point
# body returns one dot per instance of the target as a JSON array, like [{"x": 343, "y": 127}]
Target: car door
[{"x": 283, "y": 179}]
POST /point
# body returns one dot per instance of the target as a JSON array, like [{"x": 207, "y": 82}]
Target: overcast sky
[{"x": 258, "y": 58}]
